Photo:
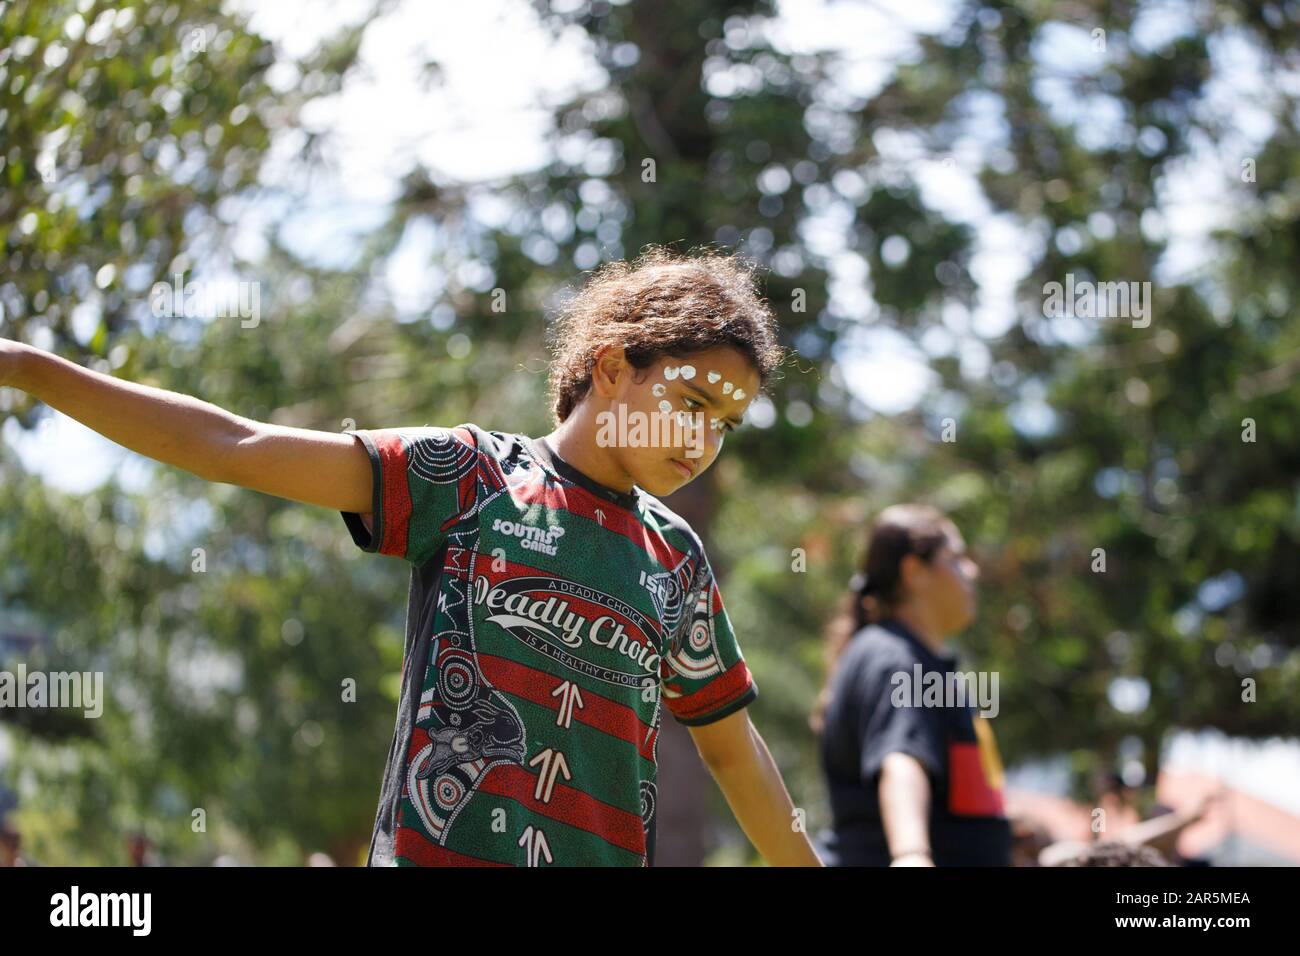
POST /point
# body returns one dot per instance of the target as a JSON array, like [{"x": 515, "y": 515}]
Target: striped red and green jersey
[{"x": 549, "y": 621}]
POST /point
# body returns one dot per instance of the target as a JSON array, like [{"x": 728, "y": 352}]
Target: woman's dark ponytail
[{"x": 875, "y": 589}]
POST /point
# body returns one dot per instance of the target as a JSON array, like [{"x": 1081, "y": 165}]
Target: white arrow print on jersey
[
  {"x": 570, "y": 696},
  {"x": 600, "y": 517},
  {"x": 535, "y": 846},
  {"x": 551, "y": 768}
]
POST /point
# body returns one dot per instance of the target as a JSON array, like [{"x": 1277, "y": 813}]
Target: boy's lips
[{"x": 685, "y": 467}]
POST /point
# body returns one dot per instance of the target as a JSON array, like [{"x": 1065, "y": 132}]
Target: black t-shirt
[{"x": 968, "y": 825}]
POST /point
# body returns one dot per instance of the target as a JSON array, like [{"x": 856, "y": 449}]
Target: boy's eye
[{"x": 694, "y": 405}]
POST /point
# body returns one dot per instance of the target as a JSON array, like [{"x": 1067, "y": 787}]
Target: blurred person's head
[
  {"x": 10, "y": 845},
  {"x": 1119, "y": 801},
  {"x": 914, "y": 569},
  {"x": 686, "y": 338},
  {"x": 1109, "y": 853},
  {"x": 137, "y": 848},
  {"x": 1028, "y": 839},
  {"x": 1114, "y": 784}
]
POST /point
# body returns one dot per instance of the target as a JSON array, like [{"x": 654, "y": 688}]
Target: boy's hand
[{"x": 742, "y": 765}]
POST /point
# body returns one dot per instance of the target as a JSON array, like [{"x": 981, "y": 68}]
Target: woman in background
[{"x": 908, "y": 785}]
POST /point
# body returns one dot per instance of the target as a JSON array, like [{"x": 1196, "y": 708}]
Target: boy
[{"x": 555, "y": 605}]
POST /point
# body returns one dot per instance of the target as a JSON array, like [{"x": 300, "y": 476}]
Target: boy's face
[{"x": 665, "y": 424}]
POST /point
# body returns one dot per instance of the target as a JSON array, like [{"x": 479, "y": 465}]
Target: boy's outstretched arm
[
  {"x": 739, "y": 760},
  {"x": 314, "y": 467}
]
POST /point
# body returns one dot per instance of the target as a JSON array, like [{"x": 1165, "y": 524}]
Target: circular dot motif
[
  {"x": 458, "y": 682},
  {"x": 447, "y": 792}
]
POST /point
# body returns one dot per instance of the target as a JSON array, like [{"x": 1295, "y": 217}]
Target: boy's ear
[{"x": 610, "y": 363}]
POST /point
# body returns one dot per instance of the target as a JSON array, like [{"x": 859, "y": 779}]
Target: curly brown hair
[{"x": 661, "y": 304}]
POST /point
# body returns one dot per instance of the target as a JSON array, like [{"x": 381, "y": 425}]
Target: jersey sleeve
[
  {"x": 425, "y": 481},
  {"x": 703, "y": 675}
]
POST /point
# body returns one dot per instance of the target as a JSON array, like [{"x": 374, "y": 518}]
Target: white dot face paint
[
  {"x": 739, "y": 394},
  {"x": 665, "y": 406},
  {"x": 688, "y": 372},
  {"x": 726, "y": 388},
  {"x": 658, "y": 390},
  {"x": 671, "y": 372},
  {"x": 714, "y": 376}
]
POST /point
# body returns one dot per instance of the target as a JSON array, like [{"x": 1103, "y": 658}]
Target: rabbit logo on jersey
[{"x": 565, "y": 621}]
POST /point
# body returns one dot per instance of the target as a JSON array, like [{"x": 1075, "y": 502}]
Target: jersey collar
[
  {"x": 945, "y": 661},
  {"x": 542, "y": 451}
]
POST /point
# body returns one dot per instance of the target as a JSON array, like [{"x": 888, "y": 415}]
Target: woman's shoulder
[{"x": 878, "y": 647}]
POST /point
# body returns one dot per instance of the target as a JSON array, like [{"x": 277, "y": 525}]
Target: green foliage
[{"x": 227, "y": 682}]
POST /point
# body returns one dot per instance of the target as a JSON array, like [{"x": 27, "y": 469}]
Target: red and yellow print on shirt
[{"x": 975, "y": 775}]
